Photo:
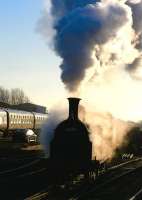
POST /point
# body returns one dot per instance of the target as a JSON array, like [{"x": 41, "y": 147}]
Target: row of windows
[
  {"x": 17, "y": 119},
  {"x": 20, "y": 117},
  {"x": 40, "y": 118},
  {"x": 20, "y": 122},
  {"x": 26, "y": 117}
]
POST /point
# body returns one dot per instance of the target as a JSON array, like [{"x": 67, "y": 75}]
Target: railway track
[
  {"x": 80, "y": 190},
  {"x": 30, "y": 182},
  {"x": 21, "y": 182},
  {"x": 12, "y": 162},
  {"x": 26, "y": 167},
  {"x": 115, "y": 184},
  {"x": 137, "y": 195},
  {"x": 42, "y": 195}
]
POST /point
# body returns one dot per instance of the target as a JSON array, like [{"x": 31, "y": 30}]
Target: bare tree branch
[
  {"x": 4, "y": 95},
  {"x": 14, "y": 96},
  {"x": 18, "y": 96}
]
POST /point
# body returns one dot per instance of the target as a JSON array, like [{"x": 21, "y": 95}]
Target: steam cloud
[
  {"x": 47, "y": 132},
  {"x": 107, "y": 132},
  {"x": 100, "y": 44},
  {"x": 85, "y": 29}
]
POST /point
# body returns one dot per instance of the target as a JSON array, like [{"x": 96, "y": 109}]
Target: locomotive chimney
[{"x": 73, "y": 108}]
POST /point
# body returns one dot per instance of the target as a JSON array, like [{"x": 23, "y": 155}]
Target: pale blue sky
[{"x": 26, "y": 61}]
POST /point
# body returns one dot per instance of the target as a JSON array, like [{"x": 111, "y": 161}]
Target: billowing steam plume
[
  {"x": 91, "y": 33},
  {"x": 100, "y": 44},
  {"x": 108, "y": 134}
]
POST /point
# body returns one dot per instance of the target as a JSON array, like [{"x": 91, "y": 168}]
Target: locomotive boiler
[{"x": 70, "y": 149}]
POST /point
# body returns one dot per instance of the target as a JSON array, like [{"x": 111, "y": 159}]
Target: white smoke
[
  {"x": 100, "y": 43},
  {"x": 55, "y": 116},
  {"x": 107, "y": 132}
]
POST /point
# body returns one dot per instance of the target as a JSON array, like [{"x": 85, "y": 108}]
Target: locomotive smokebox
[{"x": 71, "y": 149}]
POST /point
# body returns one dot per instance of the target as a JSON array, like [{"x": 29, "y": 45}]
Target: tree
[
  {"x": 4, "y": 95},
  {"x": 17, "y": 96},
  {"x": 13, "y": 96}
]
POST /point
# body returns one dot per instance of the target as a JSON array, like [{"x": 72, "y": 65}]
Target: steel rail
[
  {"x": 136, "y": 195},
  {"x": 38, "y": 196},
  {"x": 43, "y": 194},
  {"x": 85, "y": 192},
  {"x": 26, "y": 182},
  {"x": 19, "y": 168},
  {"x": 32, "y": 173}
]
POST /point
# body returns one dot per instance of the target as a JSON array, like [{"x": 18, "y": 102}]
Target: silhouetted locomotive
[{"x": 70, "y": 149}]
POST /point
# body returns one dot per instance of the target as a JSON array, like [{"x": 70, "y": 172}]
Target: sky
[
  {"x": 29, "y": 63},
  {"x": 26, "y": 61}
]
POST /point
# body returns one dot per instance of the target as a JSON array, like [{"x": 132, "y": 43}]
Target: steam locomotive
[
  {"x": 18, "y": 123},
  {"x": 70, "y": 149}
]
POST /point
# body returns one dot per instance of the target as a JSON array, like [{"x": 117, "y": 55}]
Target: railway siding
[{"x": 122, "y": 184}]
